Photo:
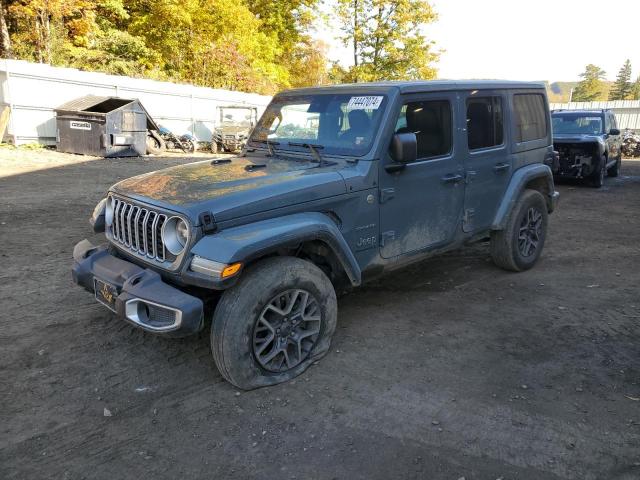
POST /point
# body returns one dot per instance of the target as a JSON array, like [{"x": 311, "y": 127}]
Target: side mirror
[
  {"x": 614, "y": 131},
  {"x": 404, "y": 148}
]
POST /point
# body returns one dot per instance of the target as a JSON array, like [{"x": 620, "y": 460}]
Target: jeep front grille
[{"x": 138, "y": 229}]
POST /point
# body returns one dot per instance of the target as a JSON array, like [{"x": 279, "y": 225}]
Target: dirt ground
[{"x": 449, "y": 369}]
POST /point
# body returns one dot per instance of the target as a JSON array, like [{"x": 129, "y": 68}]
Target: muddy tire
[
  {"x": 214, "y": 147},
  {"x": 275, "y": 322},
  {"x": 597, "y": 179},
  {"x": 615, "y": 170},
  {"x": 518, "y": 246}
]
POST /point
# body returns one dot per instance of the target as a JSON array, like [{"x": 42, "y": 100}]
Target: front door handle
[
  {"x": 500, "y": 167},
  {"x": 452, "y": 178}
]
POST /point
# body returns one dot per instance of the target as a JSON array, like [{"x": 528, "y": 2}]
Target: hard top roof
[{"x": 419, "y": 86}]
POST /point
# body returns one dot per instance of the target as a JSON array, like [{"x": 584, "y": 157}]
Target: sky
[{"x": 527, "y": 40}]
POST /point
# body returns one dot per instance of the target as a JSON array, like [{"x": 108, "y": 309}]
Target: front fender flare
[
  {"x": 517, "y": 184},
  {"x": 247, "y": 242}
]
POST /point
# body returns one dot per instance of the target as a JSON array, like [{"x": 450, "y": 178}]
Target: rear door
[
  {"x": 486, "y": 161},
  {"x": 421, "y": 205}
]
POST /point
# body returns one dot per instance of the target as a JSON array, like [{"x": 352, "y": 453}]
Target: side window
[
  {"x": 530, "y": 117},
  {"x": 484, "y": 122},
  {"x": 614, "y": 121},
  {"x": 608, "y": 125},
  {"x": 431, "y": 122}
]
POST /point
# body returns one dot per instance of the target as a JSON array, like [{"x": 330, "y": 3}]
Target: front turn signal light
[
  {"x": 214, "y": 269},
  {"x": 231, "y": 270}
]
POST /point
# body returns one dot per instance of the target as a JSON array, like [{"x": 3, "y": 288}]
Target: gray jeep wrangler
[{"x": 335, "y": 186}]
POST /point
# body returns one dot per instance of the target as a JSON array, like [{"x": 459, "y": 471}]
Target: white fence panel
[{"x": 34, "y": 90}]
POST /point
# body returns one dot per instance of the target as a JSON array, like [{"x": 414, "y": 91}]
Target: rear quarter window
[{"x": 530, "y": 117}]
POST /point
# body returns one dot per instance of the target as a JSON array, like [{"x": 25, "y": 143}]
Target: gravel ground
[{"x": 451, "y": 368}]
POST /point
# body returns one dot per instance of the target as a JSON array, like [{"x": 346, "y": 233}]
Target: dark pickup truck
[{"x": 588, "y": 143}]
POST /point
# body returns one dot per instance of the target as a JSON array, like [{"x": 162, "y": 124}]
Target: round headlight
[
  {"x": 108, "y": 211},
  {"x": 175, "y": 235}
]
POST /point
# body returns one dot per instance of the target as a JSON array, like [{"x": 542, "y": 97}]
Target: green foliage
[
  {"x": 591, "y": 87},
  {"x": 252, "y": 45},
  {"x": 635, "y": 90},
  {"x": 387, "y": 39},
  {"x": 622, "y": 87}
]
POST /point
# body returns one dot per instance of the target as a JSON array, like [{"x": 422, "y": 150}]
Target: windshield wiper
[
  {"x": 313, "y": 148},
  {"x": 269, "y": 143}
]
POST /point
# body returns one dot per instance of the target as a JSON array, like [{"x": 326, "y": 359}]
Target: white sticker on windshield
[{"x": 365, "y": 103}]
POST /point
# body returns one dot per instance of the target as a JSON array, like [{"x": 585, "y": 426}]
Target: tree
[
  {"x": 252, "y": 45},
  {"x": 5, "y": 39},
  {"x": 288, "y": 23},
  {"x": 387, "y": 39},
  {"x": 635, "y": 90},
  {"x": 309, "y": 65},
  {"x": 622, "y": 87},
  {"x": 591, "y": 87}
]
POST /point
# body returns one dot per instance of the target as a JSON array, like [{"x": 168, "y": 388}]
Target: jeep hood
[{"x": 233, "y": 189}]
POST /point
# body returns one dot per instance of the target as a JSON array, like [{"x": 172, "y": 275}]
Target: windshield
[
  {"x": 237, "y": 116},
  {"x": 340, "y": 124},
  {"x": 577, "y": 124}
]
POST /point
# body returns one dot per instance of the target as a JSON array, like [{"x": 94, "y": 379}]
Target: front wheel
[
  {"x": 597, "y": 180},
  {"x": 520, "y": 244},
  {"x": 273, "y": 323}
]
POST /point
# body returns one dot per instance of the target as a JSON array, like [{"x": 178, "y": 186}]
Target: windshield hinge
[{"x": 208, "y": 222}]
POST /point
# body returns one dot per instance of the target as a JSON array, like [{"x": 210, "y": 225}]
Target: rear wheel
[
  {"x": 273, "y": 323},
  {"x": 520, "y": 244}
]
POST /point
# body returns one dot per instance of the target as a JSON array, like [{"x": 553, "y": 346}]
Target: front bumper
[
  {"x": 143, "y": 298},
  {"x": 233, "y": 144}
]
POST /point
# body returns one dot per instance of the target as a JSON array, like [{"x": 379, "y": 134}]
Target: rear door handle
[
  {"x": 501, "y": 167},
  {"x": 452, "y": 178}
]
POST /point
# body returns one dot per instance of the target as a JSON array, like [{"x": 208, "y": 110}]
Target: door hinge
[
  {"x": 387, "y": 194},
  {"x": 469, "y": 176},
  {"x": 467, "y": 219},
  {"x": 386, "y": 237}
]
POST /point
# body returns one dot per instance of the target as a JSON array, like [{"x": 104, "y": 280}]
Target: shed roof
[
  {"x": 99, "y": 105},
  {"x": 85, "y": 103}
]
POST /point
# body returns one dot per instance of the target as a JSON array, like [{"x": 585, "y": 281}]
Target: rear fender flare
[
  {"x": 254, "y": 240},
  {"x": 517, "y": 184}
]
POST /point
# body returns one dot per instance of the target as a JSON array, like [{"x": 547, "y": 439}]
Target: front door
[
  {"x": 487, "y": 163},
  {"x": 421, "y": 205}
]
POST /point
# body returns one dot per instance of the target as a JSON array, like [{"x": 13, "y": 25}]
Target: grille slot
[{"x": 138, "y": 229}]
